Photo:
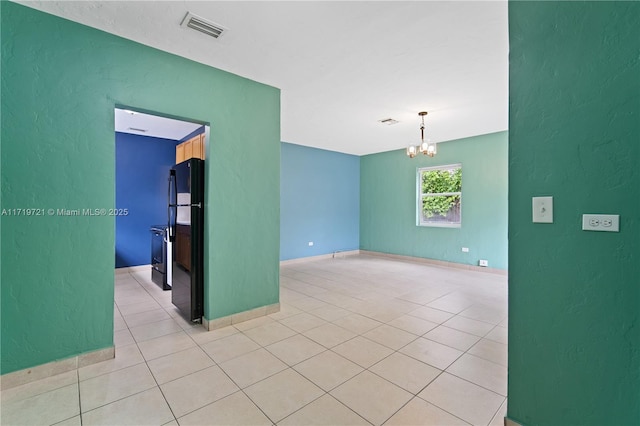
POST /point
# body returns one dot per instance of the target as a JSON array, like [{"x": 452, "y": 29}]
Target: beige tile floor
[{"x": 359, "y": 340}]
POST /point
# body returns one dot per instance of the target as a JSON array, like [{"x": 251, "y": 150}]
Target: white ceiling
[
  {"x": 341, "y": 65},
  {"x": 137, "y": 123}
]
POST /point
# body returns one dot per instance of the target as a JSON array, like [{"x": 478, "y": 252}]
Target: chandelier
[{"x": 425, "y": 147}]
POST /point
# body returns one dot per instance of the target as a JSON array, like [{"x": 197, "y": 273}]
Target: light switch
[{"x": 542, "y": 209}]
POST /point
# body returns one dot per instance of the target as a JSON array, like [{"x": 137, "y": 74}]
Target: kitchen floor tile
[
  {"x": 179, "y": 364},
  {"x": 419, "y": 412},
  {"x": 329, "y": 312},
  {"x": 141, "y": 318},
  {"x": 227, "y": 348},
  {"x": 38, "y": 387},
  {"x": 498, "y": 418},
  {"x": 468, "y": 325},
  {"x": 302, "y": 322},
  {"x": 234, "y": 410},
  {"x": 126, "y": 356},
  {"x": 295, "y": 349},
  {"x": 145, "y": 408},
  {"x": 491, "y": 351},
  {"x": 307, "y": 304},
  {"x": 253, "y": 323},
  {"x": 110, "y": 387},
  {"x": 498, "y": 334},
  {"x": 45, "y": 408},
  {"x": 484, "y": 313},
  {"x": 371, "y": 397},
  {"x": 324, "y": 411},
  {"x": 123, "y": 337},
  {"x": 432, "y": 353},
  {"x": 357, "y": 323},
  {"x": 155, "y": 329},
  {"x": 73, "y": 421},
  {"x": 269, "y": 333},
  {"x": 414, "y": 325},
  {"x": 165, "y": 345},
  {"x": 201, "y": 336},
  {"x": 390, "y": 337},
  {"x": 328, "y": 370},
  {"x": 192, "y": 392},
  {"x": 463, "y": 399},
  {"x": 363, "y": 352},
  {"x": 252, "y": 367},
  {"x": 329, "y": 335},
  {"x": 282, "y": 394},
  {"x": 285, "y": 311},
  {"x": 408, "y": 373},
  {"x": 481, "y": 372},
  {"x": 431, "y": 314},
  {"x": 136, "y": 308},
  {"x": 450, "y": 337}
]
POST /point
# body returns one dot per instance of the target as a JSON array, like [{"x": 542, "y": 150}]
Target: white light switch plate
[
  {"x": 542, "y": 209},
  {"x": 601, "y": 222}
]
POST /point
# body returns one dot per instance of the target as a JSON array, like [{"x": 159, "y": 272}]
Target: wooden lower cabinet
[{"x": 183, "y": 246}]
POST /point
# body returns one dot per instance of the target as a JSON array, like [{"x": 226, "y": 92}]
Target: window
[{"x": 440, "y": 196}]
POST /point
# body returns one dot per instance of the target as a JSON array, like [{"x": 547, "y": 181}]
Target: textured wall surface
[
  {"x": 142, "y": 167},
  {"x": 60, "y": 83},
  {"x": 388, "y": 203},
  {"x": 574, "y": 134},
  {"x": 319, "y": 201}
]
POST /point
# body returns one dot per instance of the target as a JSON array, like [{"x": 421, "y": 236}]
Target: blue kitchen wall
[
  {"x": 319, "y": 201},
  {"x": 142, "y": 167}
]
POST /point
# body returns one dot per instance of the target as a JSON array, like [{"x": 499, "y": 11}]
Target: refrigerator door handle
[{"x": 170, "y": 224}]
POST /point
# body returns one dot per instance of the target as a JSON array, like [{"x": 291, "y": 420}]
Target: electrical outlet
[
  {"x": 310, "y": 243},
  {"x": 601, "y": 222},
  {"x": 483, "y": 262},
  {"x": 465, "y": 249}
]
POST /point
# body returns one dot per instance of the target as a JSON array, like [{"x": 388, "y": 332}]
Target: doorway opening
[{"x": 151, "y": 204}]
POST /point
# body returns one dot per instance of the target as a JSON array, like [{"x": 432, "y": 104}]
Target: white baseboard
[
  {"x": 28, "y": 375},
  {"x": 240, "y": 317},
  {"x": 435, "y": 262},
  {"x": 334, "y": 255}
]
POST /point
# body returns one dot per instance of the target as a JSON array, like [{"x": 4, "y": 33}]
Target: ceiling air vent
[
  {"x": 388, "y": 121},
  {"x": 200, "y": 24},
  {"x": 135, "y": 129}
]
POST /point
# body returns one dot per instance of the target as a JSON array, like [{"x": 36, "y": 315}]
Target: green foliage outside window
[{"x": 443, "y": 187}]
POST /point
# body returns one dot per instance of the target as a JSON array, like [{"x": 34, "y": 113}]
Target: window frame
[{"x": 421, "y": 195}]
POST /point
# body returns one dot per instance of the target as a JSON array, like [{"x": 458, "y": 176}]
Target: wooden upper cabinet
[
  {"x": 193, "y": 148},
  {"x": 180, "y": 153},
  {"x": 197, "y": 144}
]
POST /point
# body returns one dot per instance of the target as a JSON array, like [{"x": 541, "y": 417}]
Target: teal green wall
[
  {"x": 388, "y": 203},
  {"x": 60, "y": 82},
  {"x": 574, "y": 134}
]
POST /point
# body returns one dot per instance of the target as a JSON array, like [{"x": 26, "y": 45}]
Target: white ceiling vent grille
[
  {"x": 200, "y": 24},
  {"x": 388, "y": 121}
]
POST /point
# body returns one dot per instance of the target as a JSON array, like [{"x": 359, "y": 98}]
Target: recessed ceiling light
[{"x": 388, "y": 121}]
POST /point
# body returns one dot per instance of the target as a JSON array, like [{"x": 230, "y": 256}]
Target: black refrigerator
[{"x": 185, "y": 213}]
